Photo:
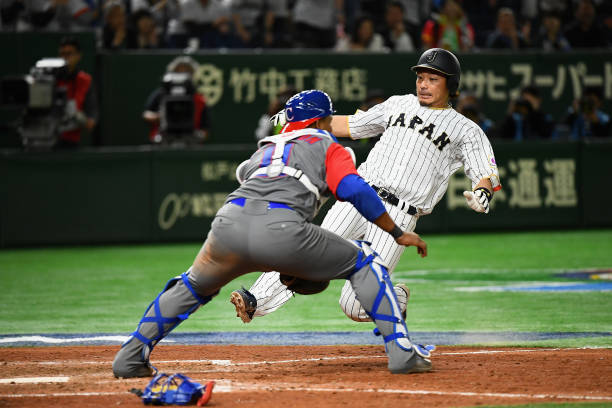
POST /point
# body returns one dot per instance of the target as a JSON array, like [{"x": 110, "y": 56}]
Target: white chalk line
[
  {"x": 34, "y": 380},
  {"x": 302, "y": 360},
  {"x": 224, "y": 386},
  {"x": 62, "y": 340}
]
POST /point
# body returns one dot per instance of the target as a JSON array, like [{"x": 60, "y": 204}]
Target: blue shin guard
[
  {"x": 375, "y": 292},
  {"x": 174, "y": 304},
  {"x": 166, "y": 324}
]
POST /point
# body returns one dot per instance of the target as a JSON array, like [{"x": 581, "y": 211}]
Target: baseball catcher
[{"x": 266, "y": 225}]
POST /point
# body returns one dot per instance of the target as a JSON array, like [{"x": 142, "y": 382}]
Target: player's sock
[
  {"x": 270, "y": 293},
  {"x": 174, "y": 304},
  {"x": 353, "y": 309}
]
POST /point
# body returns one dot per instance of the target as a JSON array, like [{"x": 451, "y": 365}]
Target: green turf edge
[{"x": 553, "y": 405}]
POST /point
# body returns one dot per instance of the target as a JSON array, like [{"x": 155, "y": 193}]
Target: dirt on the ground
[{"x": 311, "y": 376}]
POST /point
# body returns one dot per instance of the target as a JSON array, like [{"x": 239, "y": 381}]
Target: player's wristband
[
  {"x": 486, "y": 192},
  {"x": 396, "y": 232}
]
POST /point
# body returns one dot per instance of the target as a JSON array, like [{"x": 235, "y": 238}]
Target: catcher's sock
[{"x": 173, "y": 305}]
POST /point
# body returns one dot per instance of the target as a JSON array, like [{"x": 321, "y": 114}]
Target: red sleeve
[{"x": 338, "y": 164}]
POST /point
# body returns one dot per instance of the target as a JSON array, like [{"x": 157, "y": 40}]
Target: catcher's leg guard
[
  {"x": 175, "y": 303},
  {"x": 374, "y": 290},
  {"x": 353, "y": 309}
]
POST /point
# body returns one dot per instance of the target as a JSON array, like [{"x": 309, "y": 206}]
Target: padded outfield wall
[
  {"x": 114, "y": 195},
  {"x": 135, "y": 193}
]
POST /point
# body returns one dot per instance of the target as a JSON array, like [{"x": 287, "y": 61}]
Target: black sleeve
[
  {"x": 204, "y": 119},
  {"x": 154, "y": 100},
  {"x": 9, "y": 14},
  {"x": 90, "y": 104}
]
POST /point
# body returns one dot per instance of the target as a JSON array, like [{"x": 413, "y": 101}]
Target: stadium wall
[{"x": 142, "y": 194}]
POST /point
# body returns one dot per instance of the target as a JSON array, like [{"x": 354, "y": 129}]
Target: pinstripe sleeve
[
  {"x": 370, "y": 123},
  {"x": 477, "y": 156}
]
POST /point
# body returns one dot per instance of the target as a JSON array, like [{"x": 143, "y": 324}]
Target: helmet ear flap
[{"x": 452, "y": 84}]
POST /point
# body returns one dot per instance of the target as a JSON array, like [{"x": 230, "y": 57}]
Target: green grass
[
  {"x": 106, "y": 289},
  {"x": 555, "y": 405}
]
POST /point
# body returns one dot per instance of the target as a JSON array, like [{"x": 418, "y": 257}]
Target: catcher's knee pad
[
  {"x": 377, "y": 296},
  {"x": 183, "y": 302}
]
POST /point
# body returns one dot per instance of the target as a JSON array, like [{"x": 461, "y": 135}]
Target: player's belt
[
  {"x": 271, "y": 204},
  {"x": 393, "y": 200}
]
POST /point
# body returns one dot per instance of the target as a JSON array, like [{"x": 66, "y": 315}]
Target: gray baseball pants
[{"x": 252, "y": 238}]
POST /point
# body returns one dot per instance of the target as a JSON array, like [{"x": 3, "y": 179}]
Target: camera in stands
[
  {"x": 42, "y": 102},
  {"x": 177, "y": 107}
]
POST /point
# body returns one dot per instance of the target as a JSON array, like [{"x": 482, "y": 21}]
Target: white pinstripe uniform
[{"x": 419, "y": 150}]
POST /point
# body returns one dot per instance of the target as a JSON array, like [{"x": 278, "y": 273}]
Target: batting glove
[
  {"x": 478, "y": 200},
  {"x": 280, "y": 119}
]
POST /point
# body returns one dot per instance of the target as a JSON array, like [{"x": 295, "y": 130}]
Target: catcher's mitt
[{"x": 303, "y": 286}]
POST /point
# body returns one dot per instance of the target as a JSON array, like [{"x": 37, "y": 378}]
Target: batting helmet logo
[
  {"x": 431, "y": 56},
  {"x": 289, "y": 114}
]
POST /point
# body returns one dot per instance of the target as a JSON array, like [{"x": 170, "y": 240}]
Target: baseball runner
[
  {"x": 424, "y": 141},
  {"x": 266, "y": 224}
]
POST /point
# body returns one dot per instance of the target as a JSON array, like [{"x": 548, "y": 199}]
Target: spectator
[
  {"x": 152, "y": 113},
  {"x": 202, "y": 24},
  {"x": 415, "y": 13},
  {"x": 562, "y": 8},
  {"x": 82, "y": 107},
  {"x": 584, "y": 31},
  {"x": 277, "y": 25},
  {"x": 264, "y": 126},
  {"x": 525, "y": 119},
  {"x": 262, "y": 23},
  {"x": 316, "y": 22},
  {"x": 57, "y": 15},
  {"x": 480, "y": 14},
  {"x": 449, "y": 29},
  {"x": 363, "y": 38},
  {"x": 145, "y": 34},
  {"x": 115, "y": 31},
  {"x": 507, "y": 35},
  {"x": 550, "y": 37},
  {"x": 161, "y": 11},
  {"x": 10, "y": 10},
  {"x": 395, "y": 36},
  {"x": 585, "y": 117},
  {"x": 469, "y": 107},
  {"x": 248, "y": 19}
]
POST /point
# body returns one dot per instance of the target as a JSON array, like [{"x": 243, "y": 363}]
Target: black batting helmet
[{"x": 444, "y": 62}]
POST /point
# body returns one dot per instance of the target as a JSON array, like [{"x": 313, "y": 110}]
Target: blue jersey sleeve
[{"x": 355, "y": 190}]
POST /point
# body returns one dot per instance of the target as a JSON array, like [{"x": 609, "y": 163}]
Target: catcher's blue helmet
[{"x": 308, "y": 106}]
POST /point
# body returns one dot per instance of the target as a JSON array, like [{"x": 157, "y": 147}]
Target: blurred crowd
[{"x": 343, "y": 25}]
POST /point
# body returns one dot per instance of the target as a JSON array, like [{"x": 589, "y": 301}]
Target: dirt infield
[{"x": 315, "y": 376}]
